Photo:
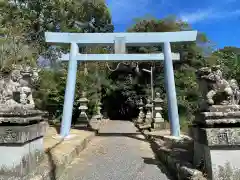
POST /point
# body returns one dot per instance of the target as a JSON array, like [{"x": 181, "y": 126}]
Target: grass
[{"x": 227, "y": 172}]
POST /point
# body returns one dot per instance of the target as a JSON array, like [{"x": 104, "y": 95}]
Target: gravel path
[{"x": 118, "y": 153}]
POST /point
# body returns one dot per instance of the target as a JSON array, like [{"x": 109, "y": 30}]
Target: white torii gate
[{"x": 120, "y": 40}]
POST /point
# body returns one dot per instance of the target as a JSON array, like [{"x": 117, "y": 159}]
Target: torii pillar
[{"x": 132, "y": 39}]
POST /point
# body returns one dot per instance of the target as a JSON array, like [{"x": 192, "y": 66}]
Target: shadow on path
[
  {"x": 130, "y": 135},
  {"x": 158, "y": 163},
  {"x": 154, "y": 146},
  {"x": 135, "y": 135}
]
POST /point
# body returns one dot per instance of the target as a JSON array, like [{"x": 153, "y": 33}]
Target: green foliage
[
  {"x": 13, "y": 51},
  {"x": 24, "y": 23},
  {"x": 49, "y": 94},
  {"x": 193, "y": 56},
  {"x": 32, "y": 18},
  {"x": 191, "y": 59},
  {"x": 228, "y": 58}
]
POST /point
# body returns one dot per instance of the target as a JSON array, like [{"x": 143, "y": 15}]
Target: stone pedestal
[
  {"x": 158, "y": 122},
  {"x": 141, "y": 114},
  {"x": 83, "y": 120},
  {"x": 216, "y": 137},
  {"x": 21, "y": 142}
]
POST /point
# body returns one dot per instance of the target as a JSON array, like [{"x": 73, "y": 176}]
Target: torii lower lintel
[{"x": 119, "y": 57}]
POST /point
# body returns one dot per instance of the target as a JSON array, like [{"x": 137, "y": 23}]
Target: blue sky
[{"x": 219, "y": 19}]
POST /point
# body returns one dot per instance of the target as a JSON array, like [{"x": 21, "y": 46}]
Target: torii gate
[{"x": 121, "y": 40}]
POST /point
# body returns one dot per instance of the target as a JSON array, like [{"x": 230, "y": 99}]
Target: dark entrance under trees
[
  {"x": 117, "y": 107},
  {"x": 122, "y": 102}
]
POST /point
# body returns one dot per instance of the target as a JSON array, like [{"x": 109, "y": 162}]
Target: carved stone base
[
  {"x": 224, "y": 108},
  {"x": 158, "y": 125},
  {"x": 218, "y": 116},
  {"x": 21, "y": 148},
  {"x": 82, "y": 121},
  {"x": 216, "y": 136},
  {"x": 217, "y": 144},
  {"x": 20, "y": 134}
]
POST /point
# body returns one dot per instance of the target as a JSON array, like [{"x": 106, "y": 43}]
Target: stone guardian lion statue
[
  {"x": 214, "y": 84},
  {"x": 16, "y": 88}
]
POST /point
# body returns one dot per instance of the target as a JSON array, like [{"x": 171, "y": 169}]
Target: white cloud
[
  {"x": 196, "y": 16},
  {"x": 208, "y": 14},
  {"x": 212, "y": 12},
  {"x": 125, "y": 11}
]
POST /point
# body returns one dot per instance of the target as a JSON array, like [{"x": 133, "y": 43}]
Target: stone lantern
[
  {"x": 158, "y": 121},
  {"x": 83, "y": 118},
  {"x": 141, "y": 114}
]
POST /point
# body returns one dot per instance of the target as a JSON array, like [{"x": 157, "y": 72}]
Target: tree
[
  {"x": 33, "y": 18},
  {"x": 14, "y": 51},
  {"x": 228, "y": 58},
  {"x": 28, "y": 20},
  {"x": 191, "y": 59}
]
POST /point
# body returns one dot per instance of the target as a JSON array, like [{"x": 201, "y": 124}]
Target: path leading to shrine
[{"x": 120, "y": 152}]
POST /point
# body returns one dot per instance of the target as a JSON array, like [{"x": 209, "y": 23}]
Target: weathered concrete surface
[
  {"x": 21, "y": 147},
  {"x": 59, "y": 153},
  {"x": 14, "y": 134},
  {"x": 18, "y": 161},
  {"x": 120, "y": 152},
  {"x": 175, "y": 153},
  {"x": 217, "y": 141}
]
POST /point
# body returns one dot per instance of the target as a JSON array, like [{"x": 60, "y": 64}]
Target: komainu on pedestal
[
  {"x": 22, "y": 127},
  {"x": 216, "y": 128}
]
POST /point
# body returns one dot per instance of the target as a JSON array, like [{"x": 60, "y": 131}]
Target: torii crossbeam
[{"x": 120, "y": 41}]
